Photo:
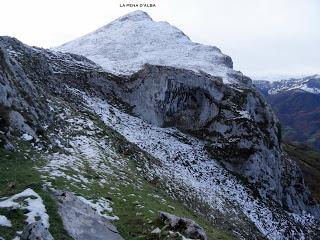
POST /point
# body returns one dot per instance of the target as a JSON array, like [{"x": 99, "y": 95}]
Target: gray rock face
[
  {"x": 22, "y": 105},
  {"x": 27, "y": 75},
  {"x": 36, "y": 231},
  {"x": 186, "y": 227},
  {"x": 18, "y": 122},
  {"x": 239, "y": 127},
  {"x": 82, "y": 222}
]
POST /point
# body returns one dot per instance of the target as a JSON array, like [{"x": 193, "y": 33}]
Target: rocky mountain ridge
[
  {"x": 297, "y": 104},
  {"x": 309, "y": 84},
  {"x": 207, "y": 139}
]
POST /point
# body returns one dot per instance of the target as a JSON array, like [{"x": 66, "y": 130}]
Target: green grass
[
  {"x": 135, "y": 222},
  {"x": 127, "y": 195},
  {"x": 17, "y": 174}
]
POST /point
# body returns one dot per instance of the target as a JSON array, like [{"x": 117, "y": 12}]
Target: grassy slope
[
  {"x": 136, "y": 201},
  {"x": 17, "y": 168},
  {"x": 134, "y": 223},
  {"x": 137, "y": 207},
  {"x": 309, "y": 160}
]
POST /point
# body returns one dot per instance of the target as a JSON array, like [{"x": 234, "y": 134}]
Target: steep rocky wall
[
  {"x": 28, "y": 76},
  {"x": 20, "y": 101},
  {"x": 239, "y": 127}
]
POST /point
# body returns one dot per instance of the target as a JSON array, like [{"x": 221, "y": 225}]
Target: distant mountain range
[{"x": 296, "y": 101}]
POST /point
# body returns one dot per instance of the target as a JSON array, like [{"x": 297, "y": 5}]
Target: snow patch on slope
[
  {"x": 5, "y": 222},
  {"x": 129, "y": 42},
  {"x": 31, "y": 202},
  {"x": 101, "y": 206}
]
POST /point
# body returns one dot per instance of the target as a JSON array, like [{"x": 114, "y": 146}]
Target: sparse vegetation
[
  {"x": 17, "y": 174},
  {"x": 309, "y": 161},
  {"x": 136, "y": 201}
]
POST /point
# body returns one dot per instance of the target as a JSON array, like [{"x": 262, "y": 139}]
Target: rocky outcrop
[
  {"x": 36, "y": 231},
  {"x": 82, "y": 222},
  {"x": 240, "y": 129},
  {"x": 186, "y": 227},
  {"x": 27, "y": 76},
  {"x": 16, "y": 112}
]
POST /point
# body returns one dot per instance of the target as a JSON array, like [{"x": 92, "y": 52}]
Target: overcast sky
[{"x": 263, "y": 37}]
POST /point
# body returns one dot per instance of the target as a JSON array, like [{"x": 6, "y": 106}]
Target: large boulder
[
  {"x": 187, "y": 227},
  {"x": 36, "y": 231},
  {"x": 82, "y": 222}
]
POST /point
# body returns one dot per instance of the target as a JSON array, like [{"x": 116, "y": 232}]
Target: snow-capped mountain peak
[
  {"x": 137, "y": 15},
  {"x": 309, "y": 84},
  {"x": 126, "y": 44}
]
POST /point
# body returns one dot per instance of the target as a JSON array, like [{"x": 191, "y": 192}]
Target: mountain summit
[
  {"x": 126, "y": 44},
  {"x": 137, "y": 15}
]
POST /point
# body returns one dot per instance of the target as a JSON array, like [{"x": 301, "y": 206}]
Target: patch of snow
[
  {"x": 101, "y": 206},
  {"x": 244, "y": 114},
  {"x": 26, "y": 137},
  {"x": 32, "y": 202},
  {"x": 82, "y": 149},
  {"x": 310, "y": 90},
  {"x": 5, "y": 222},
  {"x": 156, "y": 231},
  {"x": 183, "y": 237},
  {"x": 290, "y": 87},
  {"x": 275, "y": 77}
]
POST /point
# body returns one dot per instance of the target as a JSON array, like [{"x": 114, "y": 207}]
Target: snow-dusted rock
[
  {"x": 81, "y": 221},
  {"x": 186, "y": 227},
  {"x": 190, "y": 174},
  {"x": 187, "y": 89},
  {"x": 36, "y": 231},
  {"x": 239, "y": 128},
  {"x": 129, "y": 42},
  {"x": 26, "y": 76}
]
